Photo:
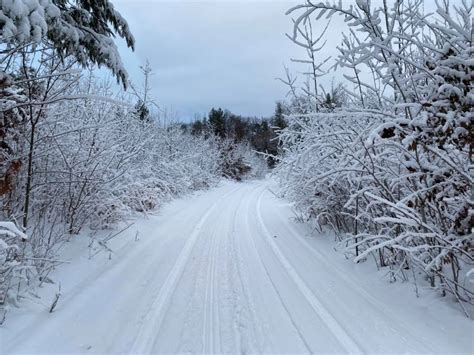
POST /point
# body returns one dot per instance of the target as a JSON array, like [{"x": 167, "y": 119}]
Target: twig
[{"x": 56, "y": 299}]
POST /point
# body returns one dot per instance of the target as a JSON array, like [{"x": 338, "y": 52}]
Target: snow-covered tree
[{"x": 82, "y": 29}]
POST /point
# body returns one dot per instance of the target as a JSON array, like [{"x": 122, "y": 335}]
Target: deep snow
[{"x": 229, "y": 270}]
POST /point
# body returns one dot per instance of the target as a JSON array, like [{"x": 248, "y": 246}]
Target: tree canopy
[{"x": 83, "y": 29}]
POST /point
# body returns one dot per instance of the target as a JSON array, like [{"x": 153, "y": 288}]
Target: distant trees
[
  {"x": 260, "y": 134},
  {"x": 238, "y": 155}
]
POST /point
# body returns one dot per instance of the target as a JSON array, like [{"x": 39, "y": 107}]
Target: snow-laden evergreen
[{"x": 82, "y": 29}]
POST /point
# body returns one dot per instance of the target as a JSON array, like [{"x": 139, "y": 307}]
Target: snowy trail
[{"x": 229, "y": 271}]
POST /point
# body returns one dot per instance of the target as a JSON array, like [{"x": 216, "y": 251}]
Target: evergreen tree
[
  {"x": 142, "y": 111},
  {"x": 83, "y": 29},
  {"x": 279, "y": 117},
  {"x": 217, "y": 120},
  {"x": 197, "y": 128}
]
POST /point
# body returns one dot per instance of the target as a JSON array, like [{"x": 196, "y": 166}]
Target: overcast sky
[
  {"x": 207, "y": 54},
  {"x": 211, "y": 53}
]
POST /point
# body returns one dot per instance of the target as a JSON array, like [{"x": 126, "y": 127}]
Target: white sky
[{"x": 218, "y": 53}]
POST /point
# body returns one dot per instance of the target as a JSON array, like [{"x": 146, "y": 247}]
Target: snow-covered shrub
[
  {"x": 320, "y": 168},
  {"x": 237, "y": 160},
  {"x": 258, "y": 164},
  {"x": 231, "y": 160},
  {"x": 171, "y": 163},
  {"x": 389, "y": 168},
  {"x": 52, "y": 165},
  {"x": 26, "y": 261},
  {"x": 105, "y": 162},
  {"x": 12, "y": 268}
]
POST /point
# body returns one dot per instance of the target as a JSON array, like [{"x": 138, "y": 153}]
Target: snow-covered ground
[{"x": 228, "y": 270}]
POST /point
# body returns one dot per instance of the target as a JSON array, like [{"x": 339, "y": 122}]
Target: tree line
[{"x": 260, "y": 133}]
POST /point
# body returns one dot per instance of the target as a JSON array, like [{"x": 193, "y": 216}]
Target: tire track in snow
[
  {"x": 247, "y": 304},
  {"x": 218, "y": 276},
  {"x": 280, "y": 298},
  {"x": 211, "y": 292},
  {"x": 333, "y": 325},
  {"x": 150, "y": 328},
  {"x": 211, "y": 326}
]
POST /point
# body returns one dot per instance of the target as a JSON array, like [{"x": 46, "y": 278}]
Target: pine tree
[
  {"x": 83, "y": 29},
  {"x": 279, "y": 117},
  {"x": 142, "y": 111},
  {"x": 217, "y": 120}
]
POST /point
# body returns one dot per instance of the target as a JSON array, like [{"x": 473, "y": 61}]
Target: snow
[
  {"x": 9, "y": 228},
  {"x": 228, "y": 270}
]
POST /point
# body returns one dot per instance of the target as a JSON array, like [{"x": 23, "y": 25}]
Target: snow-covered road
[{"x": 229, "y": 271}]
